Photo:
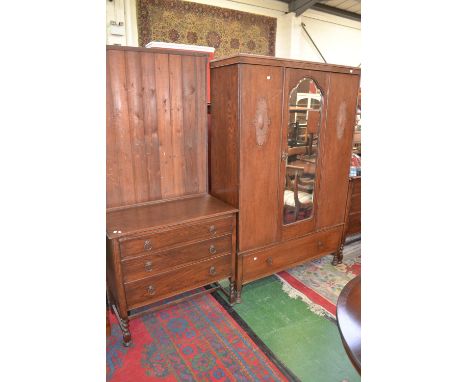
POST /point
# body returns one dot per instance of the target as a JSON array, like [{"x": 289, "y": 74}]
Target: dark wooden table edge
[{"x": 343, "y": 295}]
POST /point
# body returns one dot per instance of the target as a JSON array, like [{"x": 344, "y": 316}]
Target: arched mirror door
[{"x": 304, "y": 119}]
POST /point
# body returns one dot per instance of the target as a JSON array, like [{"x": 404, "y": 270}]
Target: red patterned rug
[
  {"x": 318, "y": 283},
  {"x": 195, "y": 340}
]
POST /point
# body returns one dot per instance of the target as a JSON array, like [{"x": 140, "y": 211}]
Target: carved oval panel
[{"x": 262, "y": 121}]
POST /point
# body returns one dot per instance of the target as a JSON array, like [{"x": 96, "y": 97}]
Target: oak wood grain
[
  {"x": 158, "y": 262},
  {"x": 335, "y": 155},
  {"x": 177, "y": 281},
  {"x": 244, "y": 58},
  {"x": 224, "y": 135},
  {"x": 248, "y": 172},
  {"x": 162, "y": 238},
  {"x": 140, "y": 219},
  {"x": 259, "y": 164},
  {"x": 269, "y": 260}
]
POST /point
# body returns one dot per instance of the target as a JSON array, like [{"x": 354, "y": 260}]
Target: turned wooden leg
[
  {"x": 127, "y": 337},
  {"x": 338, "y": 257},
  {"x": 238, "y": 293},
  {"x": 123, "y": 323},
  {"x": 232, "y": 292}
]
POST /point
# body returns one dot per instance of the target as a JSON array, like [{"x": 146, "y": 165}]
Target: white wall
[
  {"x": 121, "y": 12},
  {"x": 338, "y": 43},
  {"x": 338, "y": 39}
]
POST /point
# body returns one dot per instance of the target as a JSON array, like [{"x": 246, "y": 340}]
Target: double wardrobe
[
  {"x": 281, "y": 141},
  {"x": 262, "y": 189}
]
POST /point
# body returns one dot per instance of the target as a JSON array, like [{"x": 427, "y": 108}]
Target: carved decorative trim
[{"x": 262, "y": 121}]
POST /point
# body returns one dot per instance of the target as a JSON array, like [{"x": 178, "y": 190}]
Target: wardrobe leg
[
  {"x": 232, "y": 292},
  {"x": 338, "y": 257},
  {"x": 238, "y": 293}
]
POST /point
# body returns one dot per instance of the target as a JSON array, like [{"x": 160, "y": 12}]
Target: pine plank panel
[
  {"x": 120, "y": 123},
  {"x": 202, "y": 134},
  {"x": 163, "y": 107},
  {"x": 136, "y": 125},
  {"x": 190, "y": 114},
  {"x": 175, "y": 84},
  {"x": 151, "y": 127},
  {"x": 112, "y": 173},
  {"x": 156, "y": 125}
]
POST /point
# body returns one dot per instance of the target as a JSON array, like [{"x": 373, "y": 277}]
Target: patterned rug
[
  {"x": 195, "y": 340},
  {"x": 229, "y": 31},
  {"x": 318, "y": 283}
]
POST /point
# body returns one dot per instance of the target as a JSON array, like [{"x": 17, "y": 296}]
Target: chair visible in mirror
[{"x": 298, "y": 194}]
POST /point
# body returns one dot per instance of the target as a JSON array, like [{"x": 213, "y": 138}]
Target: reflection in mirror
[{"x": 305, "y": 107}]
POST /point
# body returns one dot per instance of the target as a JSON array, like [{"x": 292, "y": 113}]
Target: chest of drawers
[{"x": 157, "y": 251}]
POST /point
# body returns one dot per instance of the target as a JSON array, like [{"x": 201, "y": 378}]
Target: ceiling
[{"x": 350, "y": 9}]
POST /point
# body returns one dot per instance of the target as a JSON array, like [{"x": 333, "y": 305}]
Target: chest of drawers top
[{"x": 143, "y": 219}]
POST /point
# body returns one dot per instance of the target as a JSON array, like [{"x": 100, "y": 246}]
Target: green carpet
[{"x": 309, "y": 345}]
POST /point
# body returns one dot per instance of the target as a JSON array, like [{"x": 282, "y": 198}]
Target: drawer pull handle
[
  {"x": 212, "y": 229},
  {"x": 269, "y": 261},
  {"x": 151, "y": 290},
  {"x": 148, "y": 245},
  {"x": 212, "y": 270},
  {"x": 212, "y": 249},
  {"x": 149, "y": 266},
  {"x": 320, "y": 244}
]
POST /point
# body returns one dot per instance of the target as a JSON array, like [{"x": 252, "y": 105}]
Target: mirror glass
[{"x": 305, "y": 110}]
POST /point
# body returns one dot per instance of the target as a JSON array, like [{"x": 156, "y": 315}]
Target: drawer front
[
  {"x": 168, "y": 284},
  {"x": 139, "y": 268},
  {"x": 287, "y": 254},
  {"x": 175, "y": 236}
]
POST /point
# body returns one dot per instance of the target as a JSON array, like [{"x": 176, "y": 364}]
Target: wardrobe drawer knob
[
  {"x": 212, "y": 249},
  {"x": 320, "y": 244},
  {"x": 269, "y": 261},
  {"x": 212, "y": 271},
  {"x": 212, "y": 229},
  {"x": 148, "y": 245},
  {"x": 151, "y": 290},
  {"x": 149, "y": 266}
]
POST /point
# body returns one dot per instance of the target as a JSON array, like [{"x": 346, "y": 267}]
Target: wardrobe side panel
[
  {"x": 336, "y": 153},
  {"x": 224, "y": 135},
  {"x": 261, "y": 92}
]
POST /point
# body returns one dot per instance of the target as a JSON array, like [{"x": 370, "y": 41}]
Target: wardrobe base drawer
[
  {"x": 282, "y": 256},
  {"x": 168, "y": 284}
]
